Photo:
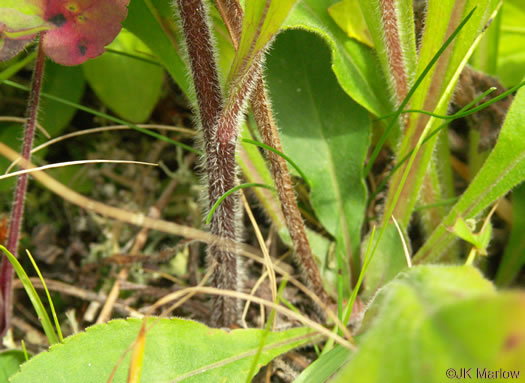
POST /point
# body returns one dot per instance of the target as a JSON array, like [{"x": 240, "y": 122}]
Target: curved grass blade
[
  {"x": 503, "y": 169},
  {"x": 11, "y": 70},
  {"x": 267, "y": 329},
  {"x": 106, "y": 116},
  {"x": 51, "y": 305},
  {"x": 288, "y": 159},
  {"x": 233, "y": 190},
  {"x": 33, "y": 296},
  {"x": 384, "y": 182},
  {"x": 132, "y": 56},
  {"x": 466, "y": 111}
]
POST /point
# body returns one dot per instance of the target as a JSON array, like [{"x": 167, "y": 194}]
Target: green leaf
[
  {"x": 511, "y": 56},
  {"x": 131, "y": 93},
  {"x": 325, "y": 367},
  {"x": 433, "y": 318},
  {"x": 152, "y": 22},
  {"x": 355, "y": 65},
  {"x": 67, "y": 83},
  {"x": 325, "y": 132},
  {"x": 347, "y": 14},
  {"x": 514, "y": 253},
  {"x": 10, "y": 361},
  {"x": 464, "y": 335},
  {"x": 22, "y": 14},
  {"x": 262, "y": 20},
  {"x": 503, "y": 169},
  {"x": 176, "y": 350},
  {"x": 388, "y": 259}
]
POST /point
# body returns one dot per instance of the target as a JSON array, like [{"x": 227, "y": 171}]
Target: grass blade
[{"x": 33, "y": 296}]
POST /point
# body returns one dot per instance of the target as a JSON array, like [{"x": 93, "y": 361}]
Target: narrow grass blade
[
  {"x": 288, "y": 159},
  {"x": 106, "y": 116},
  {"x": 33, "y": 296},
  {"x": 51, "y": 305}
]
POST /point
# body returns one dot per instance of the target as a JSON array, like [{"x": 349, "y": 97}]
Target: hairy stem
[
  {"x": 231, "y": 12},
  {"x": 220, "y": 122},
  {"x": 17, "y": 210}
]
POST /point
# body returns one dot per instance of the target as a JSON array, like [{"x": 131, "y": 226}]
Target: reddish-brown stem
[
  {"x": 231, "y": 12},
  {"x": 17, "y": 210},
  {"x": 220, "y": 131},
  {"x": 203, "y": 66},
  {"x": 283, "y": 182},
  {"x": 395, "y": 51}
]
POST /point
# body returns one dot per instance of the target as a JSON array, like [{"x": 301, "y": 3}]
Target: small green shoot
[
  {"x": 480, "y": 241},
  {"x": 26, "y": 355}
]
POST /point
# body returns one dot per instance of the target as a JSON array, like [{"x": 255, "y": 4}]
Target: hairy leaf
[
  {"x": 435, "y": 91},
  {"x": 176, "y": 350},
  {"x": 433, "y": 318},
  {"x": 391, "y": 24},
  {"x": 262, "y": 20}
]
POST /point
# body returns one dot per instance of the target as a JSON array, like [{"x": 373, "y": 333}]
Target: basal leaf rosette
[{"x": 83, "y": 28}]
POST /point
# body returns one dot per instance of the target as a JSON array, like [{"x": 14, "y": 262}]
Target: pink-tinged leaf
[
  {"x": 20, "y": 21},
  {"x": 83, "y": 28}
]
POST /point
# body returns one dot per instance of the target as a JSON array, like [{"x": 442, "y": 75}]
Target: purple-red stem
[
  {"x": 231, "y": 12},
  {"x": 17, "y": 210},
  {"x": 220, "y": 140}
]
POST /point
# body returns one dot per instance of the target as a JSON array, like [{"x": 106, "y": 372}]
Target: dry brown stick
[{"x": 231, "y": 13}]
